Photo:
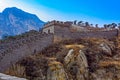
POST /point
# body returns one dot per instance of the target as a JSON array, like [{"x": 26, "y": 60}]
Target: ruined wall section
[
  {"x": 118, "y": 33},
  {"x": 97, "y": 34},
  {"x": 49, "y": 29},
  {"x": 14, "y": 50},
  {"x": 62, "y": 33},
  {"x": 68, "y": 30}
]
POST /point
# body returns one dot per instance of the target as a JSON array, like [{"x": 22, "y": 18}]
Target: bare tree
[
  {"x": 96, "y": 26},
  {"x": 109, "y": 26},
  {"x": 87, "y": 24},
  {"x": 91, "y": 25},
  {"x": 105, "y": 26},
  {"x": 75, "y": 22},
  {"x": 80, "y": 23},
  {"x": 114, "y": 25}
]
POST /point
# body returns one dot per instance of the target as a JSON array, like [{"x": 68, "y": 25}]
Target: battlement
[
  {"x": 50, "y": 27},
  {"x": 60, "y": 23}
]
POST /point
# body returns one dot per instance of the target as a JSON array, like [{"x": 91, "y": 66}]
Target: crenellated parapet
[
  {"x": 60, "y": 23},
  {"x": 50, "y": 27}
]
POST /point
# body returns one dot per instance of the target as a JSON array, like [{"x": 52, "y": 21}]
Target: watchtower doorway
[{"x": 49, "y": 31}]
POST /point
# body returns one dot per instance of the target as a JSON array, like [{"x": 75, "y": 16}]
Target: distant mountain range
[{"x": 14, "y": 21}]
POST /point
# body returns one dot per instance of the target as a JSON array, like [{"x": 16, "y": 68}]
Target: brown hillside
[{"x": 80, "y": 59}]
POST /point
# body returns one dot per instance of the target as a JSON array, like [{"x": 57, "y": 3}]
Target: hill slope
[
  {"x": 14, "y": 21},
  {"x": 82, "y": 59}
]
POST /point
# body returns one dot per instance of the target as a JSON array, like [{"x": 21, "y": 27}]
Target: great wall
[{"x": 13, "y": 50}]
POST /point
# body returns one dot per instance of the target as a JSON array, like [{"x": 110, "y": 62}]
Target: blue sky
[{"x": 94, "y": 11}]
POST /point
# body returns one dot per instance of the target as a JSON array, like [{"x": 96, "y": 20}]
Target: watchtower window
[{"x": 49, "y": 31}]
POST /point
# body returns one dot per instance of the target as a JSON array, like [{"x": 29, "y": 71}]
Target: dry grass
[
  {"x": 53, "y": 57},
  {"x": 54, "y": 65},
  {"x": 75, "y": 47},
  {"x": 119, "y": 42},
  {"x": 71, "y": 46},
  {"x": 108, "y": 63},
  {"x": 16, "y": 70}
]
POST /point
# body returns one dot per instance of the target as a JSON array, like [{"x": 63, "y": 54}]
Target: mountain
[{"x": 14, "y": 21}]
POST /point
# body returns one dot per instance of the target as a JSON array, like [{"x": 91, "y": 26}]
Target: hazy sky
[{"x": 94, "y": 11}]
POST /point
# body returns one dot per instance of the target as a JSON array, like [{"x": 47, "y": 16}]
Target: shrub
[{"x": 16, "y": 70}]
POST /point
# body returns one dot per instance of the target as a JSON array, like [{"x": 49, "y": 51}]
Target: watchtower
[
  {"x": 59, "y": 29},
  {"x": 52, "y": 26}
]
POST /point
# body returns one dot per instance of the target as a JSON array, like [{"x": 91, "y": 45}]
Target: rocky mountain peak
[{"x": 14, "y": 21}]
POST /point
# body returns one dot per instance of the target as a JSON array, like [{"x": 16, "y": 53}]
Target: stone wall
[
  {"x": 14, "y": 50},
  {"x": 99, "y": 34},
  {"x": 62, "y": 33},
  {"x": 48, "y": 29}
]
